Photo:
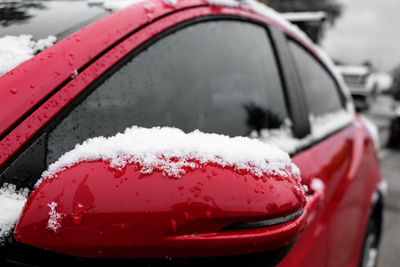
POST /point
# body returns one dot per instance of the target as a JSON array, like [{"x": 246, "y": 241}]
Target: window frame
[
  {"x": 290, "y": 63},
  {"x": 319, "y": 62},
  {"x": 131, "y": 55},
  {"x": 294, "y": 93}
]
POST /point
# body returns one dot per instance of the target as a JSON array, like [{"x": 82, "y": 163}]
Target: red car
[{"x": 225, "y": 67}]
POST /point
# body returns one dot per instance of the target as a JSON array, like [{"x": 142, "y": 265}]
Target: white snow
[
  {"x": 372, "y": 129},
  {"x": 283, "y": 138},
  {"x": 45, "y": 43},
  {"x": 228, "y": 3},
  {"x": 11, "y": 203},
  {"x": 114, "y": 4},
  {"x": 16, "y": 49},
  {"x": 305, "y": 187},
  {"x": 154, "y": 148},
  {"x": 317, "y": 184},
  {"x": 74, "y": 74},
  {"x": 320, "y": 126},
  {"x": 328, "y": 123},
  {"x": 149, "y": 7},
  {"x": 170, "y": 2},
  {"x": 304, "y": 16},
  {"x": 55, "y": 218}
]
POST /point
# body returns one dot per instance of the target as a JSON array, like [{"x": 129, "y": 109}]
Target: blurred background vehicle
[{"x": 362, "y": 88}]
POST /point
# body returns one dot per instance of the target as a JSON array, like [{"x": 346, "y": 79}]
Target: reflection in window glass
[
  {"x": 219, "y": 77},
  {"x": 321, "y": 91}
]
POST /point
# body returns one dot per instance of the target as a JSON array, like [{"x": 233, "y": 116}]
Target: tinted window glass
[
  {"x": 217, "y": 76},
  {"x": 320, "y": 89}
]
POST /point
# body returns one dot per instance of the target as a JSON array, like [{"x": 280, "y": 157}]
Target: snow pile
[
  {"x": 11, "y": 203},
  {"x": 16, "y": 49},
  {"x": 114, "y": 4},
  {"x": 172, "y": 151},
  {"x": 320, "y": 127}
]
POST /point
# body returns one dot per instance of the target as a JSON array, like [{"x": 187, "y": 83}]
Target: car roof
[
  {"x": 44, "y": 18},
  {"x": 27, "y": 86}
]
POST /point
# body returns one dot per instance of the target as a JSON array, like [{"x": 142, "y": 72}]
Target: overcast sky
[{"x": 367, "y": 29}]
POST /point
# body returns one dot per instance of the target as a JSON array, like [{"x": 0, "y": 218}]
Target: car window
[
  {"x": 321, "y": 91},
  {"x": 215, "y": 76}
]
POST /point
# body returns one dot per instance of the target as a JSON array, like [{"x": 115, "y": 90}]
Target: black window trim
[
  {"x": 293, "y": 92},
  {"x": 295, "y": 78},
  {"x": 342, "y": 96}
]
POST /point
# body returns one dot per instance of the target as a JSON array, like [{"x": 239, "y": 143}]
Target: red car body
[{"x": 334, "y": 220}]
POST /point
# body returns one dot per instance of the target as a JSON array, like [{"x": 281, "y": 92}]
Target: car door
[
  {"x": 340, "y": 153},
  {"x": 194, "y": 75},
  {"x": 311, "y": 247}
]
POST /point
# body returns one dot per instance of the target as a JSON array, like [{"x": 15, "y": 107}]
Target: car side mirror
[{"x": 93, "y": 209}]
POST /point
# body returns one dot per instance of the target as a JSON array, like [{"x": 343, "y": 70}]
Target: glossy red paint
[
  {"x": 126, "y": 213},
  {"x": 59, "y": 62},
  {"x": 336, "y": 215},
  {"x": 347, "y": 165},
  {"x": 40, "y": 103}
]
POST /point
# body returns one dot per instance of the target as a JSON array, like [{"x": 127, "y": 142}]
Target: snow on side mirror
[{"x": 152, "y": 193}]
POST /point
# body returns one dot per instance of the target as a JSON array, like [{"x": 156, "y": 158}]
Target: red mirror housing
[
  {"x": 91, "y": 210},
  {"x": 160, "y": 192}
]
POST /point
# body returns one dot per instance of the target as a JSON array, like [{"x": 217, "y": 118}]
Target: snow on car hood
[
  {"x": 171, "y": 151},
  {"x": 16, "y": 49},
  {"x": 11, "y": 203}
]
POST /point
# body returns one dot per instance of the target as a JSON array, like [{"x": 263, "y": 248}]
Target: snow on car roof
[
  {"x": 304, "y": 16},
  {"x": 171, "y": 151},
  {"x": 113, "y": 4}
]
